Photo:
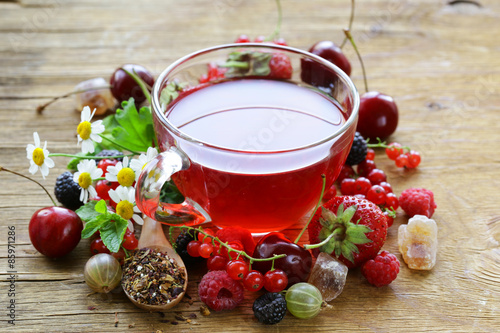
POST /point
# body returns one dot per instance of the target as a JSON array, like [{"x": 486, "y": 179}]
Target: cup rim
[{"x": 155, "y": 102}]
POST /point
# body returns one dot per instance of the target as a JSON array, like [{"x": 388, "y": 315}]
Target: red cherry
[
  {"x": 253, "y": 281},
  {"x": 378, "y": 116},
  {"x": 330, "y": 51},
  {"x": 123, "y": 85},
  {"x": 55, "y": 231},
  {"x": 275, "y": 281}
]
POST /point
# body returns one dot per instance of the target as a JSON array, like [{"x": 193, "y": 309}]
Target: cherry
[
  {"x": 253, "y": 281},
  {"x": 330, "y": 51},
  {"x": 123, "y": 85},
  {"x": 275, "y": 280},
  {"x": 378, "y": 115},
  {"x": 97, "y": 246},
  {"x": 297, "y": 263},
  {"x": 55, "y": 231}
]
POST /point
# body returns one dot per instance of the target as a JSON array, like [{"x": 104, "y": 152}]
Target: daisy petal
[
  {"x": 33, "y": 168},
  {"x": 49, "y": 162},
  {"x": 92, "y": 192},
  {"x": 137, "y": 219},
  {"x": 130, "y": 226},
  {"x": 114, "y": 196},
  {"x": 37, "y": 139}
]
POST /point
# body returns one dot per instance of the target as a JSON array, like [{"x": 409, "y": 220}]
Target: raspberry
[
  {"x": 219, "y": 291},
  {"x": 381, "y": 270},
  {"x": 67, "y": 191},
  {"x": 417, "y": 201},
  {"x": 269, "y": 308},
  {"x": 110, "y": 153},
  {"x": 358, "y": 151},
  {"x": 181, "y": 244},
  {"x": 280, "y": 66},
  {"x": 239, "y": 234}
]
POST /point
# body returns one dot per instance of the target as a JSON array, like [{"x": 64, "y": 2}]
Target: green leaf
[
  {"x": 87, "y": 212},
  {"x": 112, "y": 232},
  {"x": 92, "y": 226},
  {"x": 248, "y": 63},
  {"x": 136, "y": 127},
  {"x": 101, "y": 207},
  {"x": 171, "y": 194}
]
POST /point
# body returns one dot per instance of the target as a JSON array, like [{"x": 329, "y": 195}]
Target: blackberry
[
  {"x": 110, "y": 153},
  {"x": 181, "y": 243},
  {"x": 67, "y": 191},
  {"x": 270, "y": 308},
  {"x": 358, "y": 151}
]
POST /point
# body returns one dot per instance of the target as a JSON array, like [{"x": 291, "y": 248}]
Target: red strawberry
[
  {"x": 280, "y": 66},
  {"x": 358, "y": 225},
  {"x": 239, "y": 234}
]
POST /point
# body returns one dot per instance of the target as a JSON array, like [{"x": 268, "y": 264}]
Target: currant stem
[
  {"x": 42, "y": 107},
  {"x": 349, "y": 36},
  {"x": 351, "y": 20},
  {"x": 277, "y": 30},
  {"x": 323, "y": 178},
  {"x": 140, "y": 82},
  {"x": 383, "y": 144},
  {"x": 21, "y": 175}
]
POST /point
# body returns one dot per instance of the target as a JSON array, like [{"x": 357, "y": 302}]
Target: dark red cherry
[
  {"x": 297, "y": 263},
  {"x": 123, "y": 85},
  {"x": 331, "y": 52},
  {"x": 378, "y": 116}
]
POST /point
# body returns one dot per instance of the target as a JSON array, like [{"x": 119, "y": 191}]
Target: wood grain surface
[{"x": 440, "y": 61}]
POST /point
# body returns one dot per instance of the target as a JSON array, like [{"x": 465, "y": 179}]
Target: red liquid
[{"x": 258, "y": 188}]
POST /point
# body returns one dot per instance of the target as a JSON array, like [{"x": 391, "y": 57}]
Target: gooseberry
[
  {"x": 102, "y": 273},
  {"x": 303, "y": 300}
]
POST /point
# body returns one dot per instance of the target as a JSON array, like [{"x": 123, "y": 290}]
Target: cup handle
[{"x": 152, "y": 178}]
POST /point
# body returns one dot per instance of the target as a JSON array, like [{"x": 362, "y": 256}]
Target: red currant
[
  {"x": 348, "y": 186},
  {"x": 346, "y": 172},
  {"x": 237, "y": 269},
  {"x": 364, "y": 168},
  {"x": 217, "y": 262},
  {"x": 105, "y": 163},
  {"x": 205, "y": 250},
  {"x": 330, "y": 193},
  {"x": 376, "y": 194},
  {"x": 97, "y": 246},
  {"x": 129, "y": 240},
  {"x": 391, "y": 201},
  {"x": 275, "y": 281},
  {"x": 260, "y": 39},
  {"x": 253, "y": 281},
  {"x": 377, "y": 176},
  {"x": 102, "y": 188},
  {"x": 280, "y": 41},
  {"x": 193, "y": 248},
  {"x": 402, "y": 161},
  {"x": 389, "y": 218},
  {"x": 242, "y": 39},
  {"x": 362, "y": 185},
  {"x": 370, "y": 154},
  {"x": 387, "y": 187},
  {"x": 120, "y": 256},
  {"x": 235, "y": 245},
  {"x": 206, "y": 239},
  {"x": 413, "y": 159},
  {"x": 393, "y": 150}
]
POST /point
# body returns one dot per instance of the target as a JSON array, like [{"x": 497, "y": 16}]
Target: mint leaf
[
  {"x": 101, "y": 207},
  {"x": 87, "y": 212},
  {"x": 112, "y": 233},
  {"x": 136, "y": 127},
  {"x": 92, "y": 226}
]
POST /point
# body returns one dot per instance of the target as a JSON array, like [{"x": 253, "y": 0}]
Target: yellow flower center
[
  {"x": 38, "y": 156},
  {"x": 125, "y": 209},
  {"x": 84, "y": 130},
  {"x": 84, "y": 180},
  {"x": 126, "y": 177}
]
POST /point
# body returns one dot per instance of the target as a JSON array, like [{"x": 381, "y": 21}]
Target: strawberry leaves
[{"x": 248, "y": 63}]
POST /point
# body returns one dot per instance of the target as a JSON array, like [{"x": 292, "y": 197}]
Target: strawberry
[
  {"x": 280, "y": 66},
  {"x": 352, "y": 229}
]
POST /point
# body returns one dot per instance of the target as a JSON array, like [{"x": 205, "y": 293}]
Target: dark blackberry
[
  {"x": 357, "y": 154},
  {"x": 110, "y": 153},
  {"x": 67, "y": 191},
  {"x": 181, "y": 243},
  {"x": 269, "y": 308}
]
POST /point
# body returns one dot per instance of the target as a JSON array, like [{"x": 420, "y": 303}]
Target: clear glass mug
[{"x": 249, "y": 144}]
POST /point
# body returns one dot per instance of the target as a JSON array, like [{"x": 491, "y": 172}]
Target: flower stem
[
  {"x": 277, "y": 30},
  {"x": 88, "y": 157},
  {"x": 349, "y": 36},
  {"x": 323, "y": 177},
  {"x": 351, "y": 19},
  {"x": 21, "y": 175},
  {"x": 42, "y": 107}
]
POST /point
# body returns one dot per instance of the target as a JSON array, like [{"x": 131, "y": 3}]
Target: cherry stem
[
  {"x": 277, "y": 30},
  {"x": 349, "y": 36},
  {"x": 351, "y": 20},
  {"x": 323, "y": 178},
  {"x": 21, "y": 175},
  {"x": 42, "y": 107},
  {"x": 144, "y": 86},
  {"x": 224, "y": 244}
]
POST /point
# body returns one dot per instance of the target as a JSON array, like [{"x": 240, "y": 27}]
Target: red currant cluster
[
  {"x": 231, "y": 257},
  {"x": 129, "y": 243},
  {"x": 396, "y": 152}
]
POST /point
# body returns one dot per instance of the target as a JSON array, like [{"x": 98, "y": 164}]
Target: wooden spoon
[{"x": 153, "y": 237}]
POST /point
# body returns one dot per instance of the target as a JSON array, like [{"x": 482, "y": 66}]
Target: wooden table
[{"x": 440, "y": 62}]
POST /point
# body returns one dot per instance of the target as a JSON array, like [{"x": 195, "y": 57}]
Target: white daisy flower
[
  {"x": 139, "y": 163},
  {"x": 122, "y": 173},
  {"x": 87, "y": 132},
  {"x": 85, "y": 176},
  {"x": 125, "y": 205},
  {"x": 39, "y": 157}
]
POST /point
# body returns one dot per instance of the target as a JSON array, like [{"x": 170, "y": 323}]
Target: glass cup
[{"x": 247, "y": 132}]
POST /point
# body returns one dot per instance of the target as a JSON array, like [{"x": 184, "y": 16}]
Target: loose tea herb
[{"x": 152, "y": 277}]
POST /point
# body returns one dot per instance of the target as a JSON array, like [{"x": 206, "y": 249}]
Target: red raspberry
[
  {"x": 417, "y": 201},
  {"x": 239, "y": 234},
  {"x": 381, "y": 270},
  {"x": 280, "y": 66},
  {"x": 219, "y": 291}
]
